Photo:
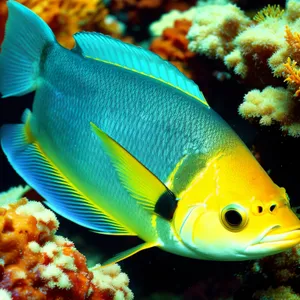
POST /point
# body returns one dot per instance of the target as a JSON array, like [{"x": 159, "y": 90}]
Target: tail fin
[{"x": 26, "y": 35}]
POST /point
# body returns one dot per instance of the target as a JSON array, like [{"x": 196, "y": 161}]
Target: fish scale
[{"x": 117, "y": 109}]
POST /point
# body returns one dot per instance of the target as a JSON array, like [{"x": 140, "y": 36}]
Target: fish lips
[{"x": 274, "y": 240}]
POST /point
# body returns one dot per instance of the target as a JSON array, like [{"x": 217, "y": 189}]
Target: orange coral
[
  {"x": 293, "y": 39},
  {"x": 81, "y": 15},
  {"x": 291, "y": 72},
  {"x": 173, "y": 45},
  {"x": 293, "y": 77},
  {"x": 293, "y": 44},
  {"x": 38, "y": 265}
]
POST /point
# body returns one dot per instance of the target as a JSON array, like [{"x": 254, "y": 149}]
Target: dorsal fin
[{"x": 109, "y": 50}]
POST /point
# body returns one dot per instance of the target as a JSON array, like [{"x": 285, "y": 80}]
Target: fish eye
[{"x": 234, "y": 217}]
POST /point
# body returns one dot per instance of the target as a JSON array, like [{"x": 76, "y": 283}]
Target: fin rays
[
  {"x": 31, "y": 163},
  {"x": 112, "y": 51}
]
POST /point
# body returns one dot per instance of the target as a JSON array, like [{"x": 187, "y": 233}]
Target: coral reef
[
  {"x": 68, "y": 17},
  {"x": 215, "y": 28},
  {"x": 263, "y": 52},
  {"x": 13, "y": 194},
  {"x": 37, "y": 264},
  {"x": 167, "y": 20},
  {"x": 273, "y": 104},
  {"x": 279, "y": 293},
  {"x": 140, "y": 13},
  {"x": 173, "y": 44},
  {"x": 274, "y": 277}
]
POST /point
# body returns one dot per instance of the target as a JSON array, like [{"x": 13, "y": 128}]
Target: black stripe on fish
[{"x": 166, "y": 205}]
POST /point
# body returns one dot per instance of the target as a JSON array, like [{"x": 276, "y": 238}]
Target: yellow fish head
[{"x": 234, "y": 211}]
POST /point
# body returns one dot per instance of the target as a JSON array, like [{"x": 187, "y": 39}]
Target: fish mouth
[{"x": 274, "y": 240}]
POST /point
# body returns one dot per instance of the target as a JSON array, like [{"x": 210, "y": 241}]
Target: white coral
[
  {"x": 13, "y": 195},
  {"x": 168, "y": 19},
  {"x": 111, "y": 277},
  {"x": 5, "y": 295},
  {"x": 214, "y": 28}
]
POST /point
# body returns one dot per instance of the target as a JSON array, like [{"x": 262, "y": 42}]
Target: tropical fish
[{"x": 121, "y": 142}]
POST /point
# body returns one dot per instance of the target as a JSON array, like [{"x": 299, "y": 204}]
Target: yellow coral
[
  {"x": 294, "y": 74},
  {"x": 270, "y": 11}
]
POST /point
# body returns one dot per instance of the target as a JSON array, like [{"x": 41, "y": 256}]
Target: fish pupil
[
  {"x": 233, "y": 217},
  {"x": 272, "y": 207}
]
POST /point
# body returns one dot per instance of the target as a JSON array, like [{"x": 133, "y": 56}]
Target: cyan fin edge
[
  {"x": 95, "y": 46},
  {"x": 153, "y": 77},
  {"x": 24, "y": 156}
]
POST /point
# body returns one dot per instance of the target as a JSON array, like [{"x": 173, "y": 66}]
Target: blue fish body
[
  {"x": 156, "y": 123},
  {"x": 107, "y": 115}
]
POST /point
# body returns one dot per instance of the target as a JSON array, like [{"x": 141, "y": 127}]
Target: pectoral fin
[
  {"x": 127, "y": 253},
  {"x": 139, "y": 181}
]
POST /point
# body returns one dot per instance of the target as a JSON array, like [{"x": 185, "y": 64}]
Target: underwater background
[{"x": 243, "y": 55}]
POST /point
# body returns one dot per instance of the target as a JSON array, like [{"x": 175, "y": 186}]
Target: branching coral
[
  {"x": 292, "y": 75},
  {"x": 69, "y": 17},
  {"x": 37, "y": 264}
]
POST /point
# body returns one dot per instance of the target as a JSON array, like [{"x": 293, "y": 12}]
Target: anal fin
[{"x": 129, "y": 252}]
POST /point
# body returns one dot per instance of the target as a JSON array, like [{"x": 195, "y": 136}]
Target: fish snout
[
  {"x": 283, "y": 234},
  {"x": 276, "y": 239},
  {"x": 279, "y": 233}
]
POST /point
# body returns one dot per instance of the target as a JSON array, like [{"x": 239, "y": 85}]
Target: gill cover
[{"x": 186, "y": 220}]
